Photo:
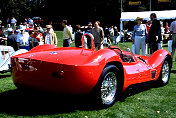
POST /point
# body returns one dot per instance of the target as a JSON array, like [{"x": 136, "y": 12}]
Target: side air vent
[{"x": 153, "y": 74}]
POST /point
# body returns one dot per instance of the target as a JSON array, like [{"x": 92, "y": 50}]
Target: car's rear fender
[
  {"x": 105, "y": 57},
  {"x": 108, "y": 57},
  {"x": 121, "y": 71}
]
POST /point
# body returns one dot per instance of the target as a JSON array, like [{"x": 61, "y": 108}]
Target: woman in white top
[{"x": 139, "y": 36}]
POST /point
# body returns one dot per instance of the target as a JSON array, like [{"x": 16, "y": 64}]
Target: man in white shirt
[
  {"x": 23, "y": 39},
  {"x": 67, "y": 35}
]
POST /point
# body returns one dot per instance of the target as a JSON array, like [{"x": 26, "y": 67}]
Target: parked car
[
  {"x": 107, "y": 72},
  {"x": 6, "y": 52}
]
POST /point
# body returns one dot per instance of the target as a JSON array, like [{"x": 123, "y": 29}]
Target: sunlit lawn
[{"x": 151, "y": 103}]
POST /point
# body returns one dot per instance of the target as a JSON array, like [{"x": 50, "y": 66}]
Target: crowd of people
[
  {"x": 27, "y": 35},
  {"x": 148, "y": 37},
  {"x": 101, "y": 35},
  {"x": 96, "y": 31}
]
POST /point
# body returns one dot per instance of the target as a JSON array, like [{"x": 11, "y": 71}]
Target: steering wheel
[{"x": 91, "y": 36}]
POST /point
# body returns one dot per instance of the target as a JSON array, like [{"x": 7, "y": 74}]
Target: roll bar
[{"x": 92, "y": 40}]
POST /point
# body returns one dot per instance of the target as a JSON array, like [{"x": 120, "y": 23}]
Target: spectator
[
  {"x": 154, "y": 33},
  {"x": 78, "y": 36},
  {"x": 173, "y": 34},
  {"x": 67, "y": 34},
  {"x": 160, "y": 44},
  {"x": 50, "y": 37},
  {"x": 71, "y": 29},
  {"x": 51, "y": 29},
  {"x": 11, "y": 39},
  {"x": 8, "y": 22},
  {"x": 148, "y": 25},
  {"x": 2, "y": 36},
  {"x": 98, "y": 34},
  {"x": 139, "y": 36},
  {"x": 31, "y": 34},
  {"x": 111, "y": 30},
  {"x": 107, "y": 35},
  {"x": 13, "y": 22},
  {"x": 89, "y": 30},
  {"x": 41, "y": 29},
  {"x": 167, "y": 28},
  {"x": 23, "y": 39},
  {"x": 31, "y": 23},
  {"x": 85, "y": 38},
  {"x": 37, "y": 38},
  {"x": 17, "y": 31},
  {"x": 170, "y": 44},
  {"x": 115, "y": 35}
]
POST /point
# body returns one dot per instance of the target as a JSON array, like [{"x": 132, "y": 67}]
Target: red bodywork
[{"x": 77, "y": 70}]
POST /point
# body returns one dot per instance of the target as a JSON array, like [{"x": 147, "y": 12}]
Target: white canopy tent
[{"x": 131, "y": 16}]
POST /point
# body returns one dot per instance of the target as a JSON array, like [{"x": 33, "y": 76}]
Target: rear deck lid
[{"x": 67, "y": 56}]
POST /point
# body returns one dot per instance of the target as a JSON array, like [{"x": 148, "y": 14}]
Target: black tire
[
  {"x": 165, "y": 73},
  {"x": 109, "y": 86}
]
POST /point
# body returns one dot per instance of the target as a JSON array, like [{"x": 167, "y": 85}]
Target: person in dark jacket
[
  {"x": 107, "y": 35},
  {"x": 11, "y": 39},
  {"x": 154, "y": 33},
  {"x": 89, "y": 30},
  {"x": 78, "y": 36}
]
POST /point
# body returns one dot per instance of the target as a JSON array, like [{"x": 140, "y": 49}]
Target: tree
[
  {"x": 76, "y": 11},
  {"x": 20, "y": 8}
]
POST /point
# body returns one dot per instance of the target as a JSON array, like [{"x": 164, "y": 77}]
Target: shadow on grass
[
  {"x": 173, "y": 71},
  {"x": 165, "y": 45},
  {"x": 138, "y": 88},
  {"x": 4, "y": 76},
  {"x": 30, "y": 103},
  {"x": 15, "y": 102}
]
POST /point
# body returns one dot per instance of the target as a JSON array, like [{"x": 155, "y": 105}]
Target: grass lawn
[{"x": 151, "y": 103}]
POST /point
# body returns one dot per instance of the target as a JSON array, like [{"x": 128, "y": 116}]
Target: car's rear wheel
[
  {"x": 165, "y": 73},
  {"x": 109, "y": 86}
]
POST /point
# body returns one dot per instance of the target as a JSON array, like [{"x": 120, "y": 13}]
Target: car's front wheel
[
  {"x": 165, "y": 73},
  {"x": 109, "y": 86}
]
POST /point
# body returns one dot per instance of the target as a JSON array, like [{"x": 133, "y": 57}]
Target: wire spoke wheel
[
  {"x": 165, "y": 72},
  {"x": 109, "y": 88}
]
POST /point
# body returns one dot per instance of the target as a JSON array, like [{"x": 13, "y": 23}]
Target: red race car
[{"x": 70, "y": 70}]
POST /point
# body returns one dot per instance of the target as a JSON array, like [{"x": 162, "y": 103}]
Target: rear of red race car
[{"x": 50, "y": 73}]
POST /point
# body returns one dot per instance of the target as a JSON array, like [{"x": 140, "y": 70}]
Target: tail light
[{"x": 59, "y": 74}]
